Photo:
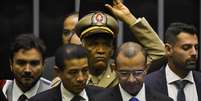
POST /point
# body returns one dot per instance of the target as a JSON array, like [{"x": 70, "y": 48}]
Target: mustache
[
  {"x": 27, "y": 75},
  {"x": 191, "y": 61},
  {"x": 191, "y": 64}
]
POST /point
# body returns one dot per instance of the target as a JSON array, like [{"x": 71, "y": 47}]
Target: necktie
[
  {"x": 22, "y": 98},
  {"x": 133, "y": 99},
  {"x": 180, "y": 84},
  {"x": 77, "y": 98}
]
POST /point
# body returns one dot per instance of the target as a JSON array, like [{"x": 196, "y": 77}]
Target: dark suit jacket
[
  {"x": 48, "y": 72},
  {"x": 114, "y": 94},
  {"x": 54, "y": 94},
  {"x": 2, "y": 96},
  {"x": 157, "y": 80}
]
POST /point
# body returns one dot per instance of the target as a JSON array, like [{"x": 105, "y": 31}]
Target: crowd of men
[{"x": 82, "y": 69}]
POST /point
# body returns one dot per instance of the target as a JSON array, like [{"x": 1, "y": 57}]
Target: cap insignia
[{"x": 99, "y": 19}]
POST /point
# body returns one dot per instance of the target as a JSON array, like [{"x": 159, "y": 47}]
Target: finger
[
  {"x": 108, "y": 6},
  {"x": 116, "y": 2}
]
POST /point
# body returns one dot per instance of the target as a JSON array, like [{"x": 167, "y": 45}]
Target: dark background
[{"x": 16, "y": 16}]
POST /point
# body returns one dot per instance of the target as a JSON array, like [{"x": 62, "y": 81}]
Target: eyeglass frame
[
  {"x": 129, "y": 72},
  {"x": 68, "y": 33}
]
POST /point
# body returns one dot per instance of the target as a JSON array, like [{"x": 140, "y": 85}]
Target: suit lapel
[
  {"x": 89, "y": 93},
  {"x": 56, "y": 94},
  {"x": 197, "y": 80},
  {"x": 149, "y": 94},
  {"x": 116, "y": 95},
  {"x": 161, "y": 81}
]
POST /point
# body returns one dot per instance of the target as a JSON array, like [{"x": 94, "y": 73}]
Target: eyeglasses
[
  {"x": 68, "y": 33},
  {"x": 135, "y": 73}
]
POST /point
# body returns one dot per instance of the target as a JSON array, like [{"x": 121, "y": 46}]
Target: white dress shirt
[
  {"x": 126, "y": 96},
  {"x": 189, "y": 90},
  {"x": 17, "y": 92},
  {"x": 67, "y": 95}
]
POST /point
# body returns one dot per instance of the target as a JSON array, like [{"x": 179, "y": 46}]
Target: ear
[
  {"x": 10, "y": 64},
  {"x": 113, "y": 65},
  {"x": 57, "y": 70},
  {"x": 168, "y": 49}
]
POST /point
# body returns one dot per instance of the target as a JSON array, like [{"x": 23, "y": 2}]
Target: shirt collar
[
  {"x": 172, "y": 77},
  {"x": 67, "y": 95},
  {"x": 126, "y": 96},
  {"x": 17, "y": 92}
]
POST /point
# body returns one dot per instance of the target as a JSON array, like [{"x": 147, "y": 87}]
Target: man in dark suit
[
  {"x": 27, "y": 65},
  {"x": 2, "y": 96},
  {"x": 73, "y": 69},
  {"x": 181, "y": 46},
  {"x": 131, "y": 69}
]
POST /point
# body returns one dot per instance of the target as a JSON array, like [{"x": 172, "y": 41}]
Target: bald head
[
  {"x": 131, "y": 59},
  {"x": 130, "y": 49}
]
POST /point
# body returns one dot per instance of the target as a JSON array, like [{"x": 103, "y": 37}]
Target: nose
[
  {"x": 27, "y": 68},
  {"x": 194, "y": 52},
  {"x": 131, "y": 78},
  {"x": 80, "y": 77},
  {"x": 100, "y": 50}
]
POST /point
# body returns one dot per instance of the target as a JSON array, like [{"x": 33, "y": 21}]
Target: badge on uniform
[{"x": 99, "y": 18}]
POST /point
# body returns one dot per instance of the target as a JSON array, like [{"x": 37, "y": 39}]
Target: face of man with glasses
[
  {"x": 131, "y": 71},
  {"x": 69, "y": 36}
]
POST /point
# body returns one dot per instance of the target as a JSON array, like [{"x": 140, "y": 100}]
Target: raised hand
[{"x": 121, "y": 11}]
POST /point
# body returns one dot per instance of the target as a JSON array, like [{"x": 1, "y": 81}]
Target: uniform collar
[{"x": 105, "y": 79}]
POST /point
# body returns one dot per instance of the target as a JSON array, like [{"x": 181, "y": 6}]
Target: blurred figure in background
[{"x": 68, "y": 36}]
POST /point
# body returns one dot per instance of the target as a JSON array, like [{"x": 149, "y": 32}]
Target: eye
[
  {"x": 186, "y": 47},
  {"x": 73, "y": 72},
  {"x": 196, "y": 47},
  {"x": 21, "y": 62},
  {"x": 35, "y": 62},
  {"x": 139, "y": 72},
  {"x": 66, "y": 32},
  {"x": 123, "y": 73},
  {"x": 85, "y": 70}
]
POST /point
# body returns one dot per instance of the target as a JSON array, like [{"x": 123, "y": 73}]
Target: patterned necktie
[
  {"x": 77, "y": 98},
  {"x": 133, "y": 99},
  {"x": 23, "y": 98},
  {"x": 180, "y": 84}
]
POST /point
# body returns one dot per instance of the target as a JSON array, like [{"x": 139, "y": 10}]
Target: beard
[
  {"x": 191, "y": 64},
  {"x": 27, "y": 82}
]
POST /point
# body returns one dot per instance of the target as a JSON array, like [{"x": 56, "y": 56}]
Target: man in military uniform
[{"x": 97, "y": 31}]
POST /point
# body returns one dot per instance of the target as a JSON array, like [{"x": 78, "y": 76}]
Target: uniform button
[{"x": 108, "y": 76}]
